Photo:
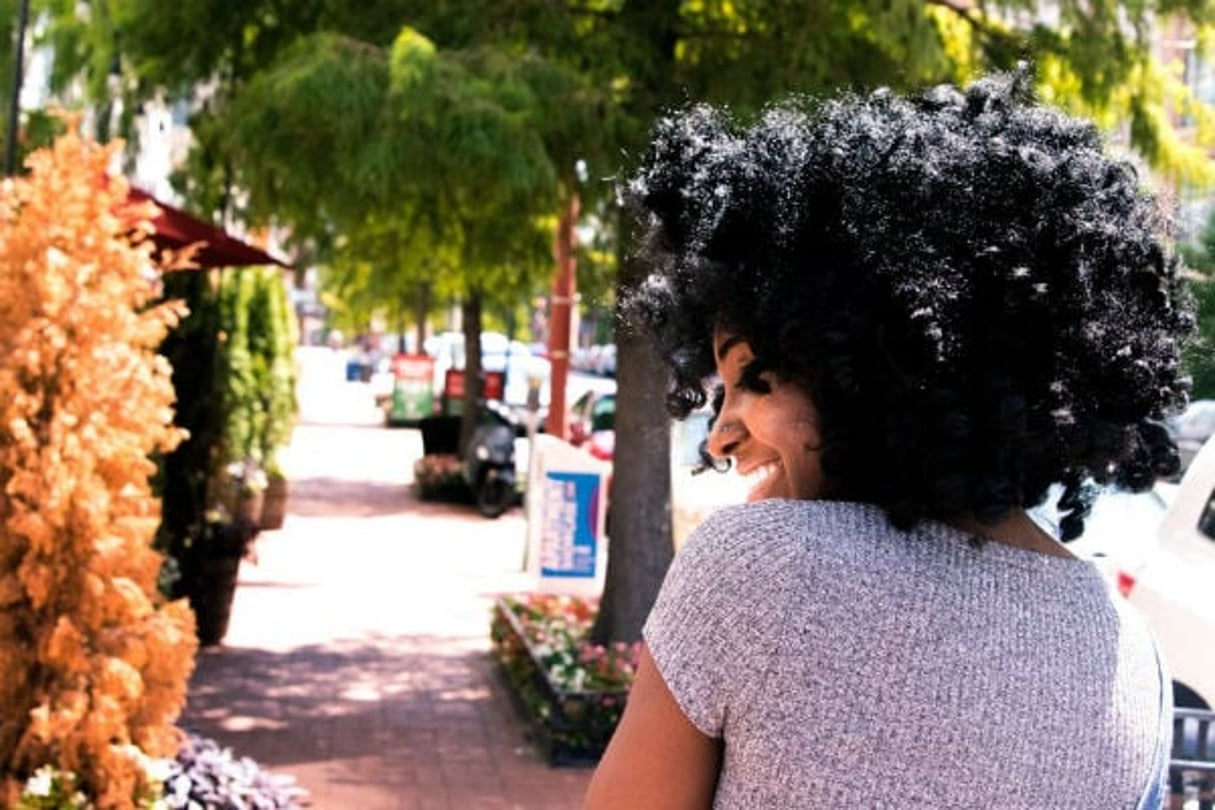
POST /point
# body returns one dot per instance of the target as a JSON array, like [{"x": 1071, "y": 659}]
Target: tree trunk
[
  {"x": 640, "y": 544},
  {"x": 640, "y": 540},
  {"x": 471, "y": 315},
  {"x": 421, "y": 312}
]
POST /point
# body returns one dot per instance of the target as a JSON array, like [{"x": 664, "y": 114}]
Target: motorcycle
[{"x": 489, "y": 463}]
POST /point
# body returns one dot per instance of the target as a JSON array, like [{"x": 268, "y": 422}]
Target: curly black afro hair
[{"x": 979, "y": 300}]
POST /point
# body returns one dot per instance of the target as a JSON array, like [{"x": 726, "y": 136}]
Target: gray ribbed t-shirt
[{"x": 846, "y": 664}]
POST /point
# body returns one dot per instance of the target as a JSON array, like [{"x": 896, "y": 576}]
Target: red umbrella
[{"x": 175, "y": 229}]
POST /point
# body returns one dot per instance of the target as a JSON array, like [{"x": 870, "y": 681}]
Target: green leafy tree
[
  {"x": 1200, "y": 355},
  {"x": 472, "y": 71},
  {"x": 372, "y": 168},
  {"x": 385, "y": 269},
  {"x": 488, "y": 187},
  {"x": 1096, "y": 61}
]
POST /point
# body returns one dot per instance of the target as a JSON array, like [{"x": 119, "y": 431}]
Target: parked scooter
[{"x": 489, "y": 462}]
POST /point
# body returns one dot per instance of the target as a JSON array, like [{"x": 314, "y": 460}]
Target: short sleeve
[{"x": 715, "y": 612}]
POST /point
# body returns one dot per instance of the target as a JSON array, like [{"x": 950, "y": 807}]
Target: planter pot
[
  {"x": 210, "y": 596},
  {"x": 274, "y": 503},
  {"x": 210, "y": 589},
  {"x": 440, "y": 434},
  {"x": 209, "y": 569},
  {"x": 569, "y": 727},
  {"x": 248, "y": 507}
]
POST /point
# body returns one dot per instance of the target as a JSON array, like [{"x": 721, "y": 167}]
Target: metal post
[
  {"x": 14, "y": 106},
  {"x": 559, "y": 317}
]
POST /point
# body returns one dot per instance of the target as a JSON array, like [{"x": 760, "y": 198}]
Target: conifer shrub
[
  {"x": 93, "y": 663},
  {"x": 256, "y": 367}
]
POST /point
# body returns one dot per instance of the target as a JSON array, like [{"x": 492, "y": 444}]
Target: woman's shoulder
[
  {"x": 778, "y": 529},
  {"x": 777, "y": 517}
]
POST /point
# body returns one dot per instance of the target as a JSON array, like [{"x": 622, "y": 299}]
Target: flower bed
[
  {"x": 440, "y": 477},
  {"x": 570, "y": 691},
  {"x": 203, "y": 775}
]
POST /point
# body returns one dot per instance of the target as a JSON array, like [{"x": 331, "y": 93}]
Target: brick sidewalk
[{"x": 357, "y": 658}]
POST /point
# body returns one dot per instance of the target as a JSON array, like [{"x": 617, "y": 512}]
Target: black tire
[{"x": 495, "y": 494}]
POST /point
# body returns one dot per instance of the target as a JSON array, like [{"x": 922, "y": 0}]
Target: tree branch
[{"x": 969, "y": 11}]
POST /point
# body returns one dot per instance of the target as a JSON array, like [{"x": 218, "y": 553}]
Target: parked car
[
  {"x": 606, "y": 360},
  {"x": 580, "y": 359},
  {"x": 1191, "y": 428},
  {"x": 592, "y": 423},
  {"x": 1173, "y": 584},
  {"x": 1158, "y": 549}
]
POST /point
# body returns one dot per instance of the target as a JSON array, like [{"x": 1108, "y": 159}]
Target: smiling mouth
[{"x": 756, "y": 479}]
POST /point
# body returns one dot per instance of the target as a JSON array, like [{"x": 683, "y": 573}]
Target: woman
[{"x": 922, "y": 313}]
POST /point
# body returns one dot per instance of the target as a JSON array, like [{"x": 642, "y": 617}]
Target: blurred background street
[{"x": 357, "y": 658}]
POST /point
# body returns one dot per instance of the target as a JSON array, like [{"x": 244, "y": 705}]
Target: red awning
[{"x": 175, "y": 229}]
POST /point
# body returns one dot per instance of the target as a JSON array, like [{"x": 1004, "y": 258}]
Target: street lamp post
[{"x": 14, "y": 104}]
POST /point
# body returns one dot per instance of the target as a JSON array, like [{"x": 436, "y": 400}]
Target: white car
[
  {"x": 1174, "y": 585},
  {"x": 1191, "y": 428},
  {"x": 1158, "y": 548}
]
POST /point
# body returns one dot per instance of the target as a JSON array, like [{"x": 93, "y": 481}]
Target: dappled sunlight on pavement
[{"x": 357, "y": 659}]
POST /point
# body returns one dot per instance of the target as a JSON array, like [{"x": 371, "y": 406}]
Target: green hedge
[{"x": 233, "y": 361}]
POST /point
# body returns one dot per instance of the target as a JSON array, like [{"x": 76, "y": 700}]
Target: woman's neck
[{"x": 1017, "y": 530}]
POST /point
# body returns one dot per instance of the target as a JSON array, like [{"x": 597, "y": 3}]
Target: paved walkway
[{"x": 357, "y": 658}]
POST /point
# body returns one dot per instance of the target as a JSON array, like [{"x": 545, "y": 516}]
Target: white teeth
[{"x": 756, "y": 478}]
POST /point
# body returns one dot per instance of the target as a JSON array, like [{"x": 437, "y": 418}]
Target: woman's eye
[{"x": 752, "y": 379}]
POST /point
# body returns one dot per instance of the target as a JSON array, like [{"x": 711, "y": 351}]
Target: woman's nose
[{"x": 724, "y": 437}]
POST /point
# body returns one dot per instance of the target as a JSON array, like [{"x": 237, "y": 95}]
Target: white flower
[
  {"x": 41, "y": 782},
  {"x": 158, "y": 770}
]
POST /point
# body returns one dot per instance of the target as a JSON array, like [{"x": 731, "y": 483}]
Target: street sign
[
  {"x": 566, "y": 506},
  {"x": 412, "y": 389},
  {"x": 453, "y": 389}
]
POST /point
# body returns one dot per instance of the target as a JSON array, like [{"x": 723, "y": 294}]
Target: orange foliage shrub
[{"x": 93, "y": 664}]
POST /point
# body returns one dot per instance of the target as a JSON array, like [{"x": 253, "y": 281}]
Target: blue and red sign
[{"x": 569, "y": 535}]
